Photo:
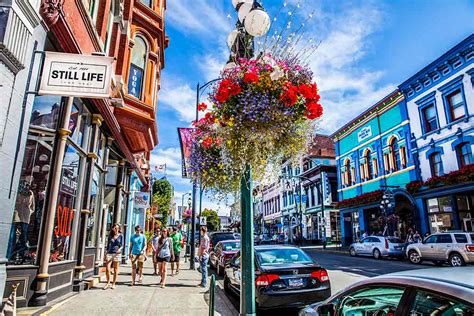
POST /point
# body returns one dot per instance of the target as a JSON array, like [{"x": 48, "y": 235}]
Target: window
[
  {"x": 460, "y": 238},
  {"x": 370, "y": 167},
  {"x": 440, "y": 214},
  {"x": 436, "y": 164},
  {"x": 110, "y": 24},
  {"x": 45, "y": 113},
  {"x": 148, "y": 3},
  {"x": 395, "y": 155},
  {"x": 456, "y": 105},
  {"x": 444, "y": 239},
  {"x": 92, "y": 8},
  {"x": 464, "y": 153},
  {"x": 433, "y": 304},
  {"x": 431, "y": 240},
  {"x": 347, "y": 165},
  {"x": 371, "y": 301},
  {"x": 430, "y": 121},
  {"x": 137, "y": 68}
]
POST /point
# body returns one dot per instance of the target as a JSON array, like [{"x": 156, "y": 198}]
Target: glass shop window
[
  {"x": 45, "y": 112},
  {"x": 66, "y": 208},
  {"x": 440, "y": 212},
  {"x": 96, "y": 192},
  {"x": 30, "y": 200}
]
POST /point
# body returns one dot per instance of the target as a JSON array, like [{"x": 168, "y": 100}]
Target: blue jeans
[
  {"x": 18, "y": 246},
  {"x": 203, "y": 264}
]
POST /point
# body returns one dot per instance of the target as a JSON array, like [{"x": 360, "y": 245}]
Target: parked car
[
  {"x": 266, "y": 239},
  {"x": 215, "y": 237},
  {"x": 222, "y": 253},
  {"x": 456, "y": 248},
  {"x": 378, "y": 247},
  {"x": 418, "y": 292},
  {"x": 285, "y": 276}
]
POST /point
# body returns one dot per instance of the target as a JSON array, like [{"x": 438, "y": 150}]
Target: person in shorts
[
  {"x": 137, "y": 254},
  {"x": 154, "y": 245},
  {"x": 164, "y": 254},
  {"x": 177, "y": 247},
  {"x": 113, "y": 254}
]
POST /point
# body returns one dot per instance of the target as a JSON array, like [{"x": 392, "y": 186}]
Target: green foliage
[
  {"x": 162, "y": 195},
  {"x": 213, "y": 220}
]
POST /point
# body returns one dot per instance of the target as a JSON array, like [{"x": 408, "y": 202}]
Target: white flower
[
  {"x": 277, "y": 74},
  {"x": 269, "y": 61}
]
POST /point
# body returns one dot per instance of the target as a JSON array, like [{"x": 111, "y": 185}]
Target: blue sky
[{"x": 367, "y": 49}]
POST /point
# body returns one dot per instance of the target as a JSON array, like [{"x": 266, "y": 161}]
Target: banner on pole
[
  {"x": 76, "y": 75},
  {"x": 186, "y": 142},
  {"x": 142, "y": 199}
]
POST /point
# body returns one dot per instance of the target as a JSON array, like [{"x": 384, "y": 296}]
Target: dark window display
[
  {"x": 94, "y": 208},
  {"x": 78, "y": 121},
  {"x": 46, "y": 111},
  {"x": 66, "y": 208},
  {"x": 28, "y": 213}
]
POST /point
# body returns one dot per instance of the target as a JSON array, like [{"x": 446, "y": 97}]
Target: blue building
[
  {"x": 440, "y": 103},
  {"x": 373, "y": 157}
]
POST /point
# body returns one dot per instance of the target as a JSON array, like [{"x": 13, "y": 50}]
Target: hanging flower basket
[{"x": 264, "y": 110}]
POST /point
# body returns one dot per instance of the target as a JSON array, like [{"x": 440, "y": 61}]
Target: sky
[{"x": 366, "y": 49}]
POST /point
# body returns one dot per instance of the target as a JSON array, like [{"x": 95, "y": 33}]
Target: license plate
[
  {"x": 398, "y": 247},
  {"x": 295, "y": 283}
]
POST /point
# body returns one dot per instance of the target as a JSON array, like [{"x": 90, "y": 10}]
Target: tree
[
  {"x": 213, "y": 220},
  {"x": 162, "y": 196}
]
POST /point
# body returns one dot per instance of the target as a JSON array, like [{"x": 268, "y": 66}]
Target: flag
[{"x": 160, "y": 168}]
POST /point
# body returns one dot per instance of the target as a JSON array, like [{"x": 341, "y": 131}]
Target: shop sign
[
  {"x": 64, "y": 217},
  {"x": 68, "y": 182},
  {"x": 76, "y": 75},
  {"x": 135, "y": 81},
  {"x": 142, "y": 199},
  {"x": 364, "y": 133}
]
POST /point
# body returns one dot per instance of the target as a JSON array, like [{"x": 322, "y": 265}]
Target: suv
[
  {"x": 456, "y": 248},
  {"x": 215, "y": 237}
]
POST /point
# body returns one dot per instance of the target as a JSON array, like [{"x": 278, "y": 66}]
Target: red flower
[
  {"x": 207, "y": 142},
  {"x": 209, "y": 118},
  {"x": 234, "y": 89},
  {"x": 202, "y": 106},
  {"x": 289, "y": 96},
  {"x": 227, "y": 88},
  {"x": 250, "y": 77},
  {"x": 309, "y": 91},
  {"x": 313, "y": 110}
]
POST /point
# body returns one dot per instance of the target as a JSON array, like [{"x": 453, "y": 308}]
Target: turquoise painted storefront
[{"x": 373, "y": 152}]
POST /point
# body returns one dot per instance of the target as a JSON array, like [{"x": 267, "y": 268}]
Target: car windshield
[
  {"x": 231, "y": 246},
  {"x": 220, "y": 237},
  {"x": 278, "y": 256},
  {"x": 394, "y": 240}
]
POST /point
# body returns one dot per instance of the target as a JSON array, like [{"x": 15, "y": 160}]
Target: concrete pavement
[{"x": 180, "y": 297}]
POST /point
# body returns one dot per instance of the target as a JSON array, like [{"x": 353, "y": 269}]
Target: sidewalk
[{"x": 180, "y": 297}]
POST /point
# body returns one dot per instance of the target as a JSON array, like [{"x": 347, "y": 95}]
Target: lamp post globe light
[{"x": 257, "y": 22}]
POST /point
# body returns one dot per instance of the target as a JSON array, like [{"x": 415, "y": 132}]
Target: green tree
[
  {"x": 162, "y": 196},
  {"x": 212, "y": 218}
]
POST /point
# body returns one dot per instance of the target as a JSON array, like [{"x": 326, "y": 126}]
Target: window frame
[
  {"x": 433, "y": 163},
  {"x": 447, "y": 91},
  {"x": 397, "y": 163},
  {"x": 144, "y": 76},
  {"x": 423, "y": 105},
  {"x": 459, "y": 154}
]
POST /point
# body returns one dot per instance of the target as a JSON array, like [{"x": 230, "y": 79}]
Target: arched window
[
  {"x": 347, "y": 164},
  {"x": 369, "y": 166},
  {"x": 137, "y": 67},
  {"x": 464, "y": 153},
  {"x": 395, "y": 155},
  {"x": 108, "y": 32},
  {"x": 436, "y": 164}
]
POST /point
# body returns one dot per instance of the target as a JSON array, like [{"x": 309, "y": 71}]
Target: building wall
[{"x": 13, "y": 83}]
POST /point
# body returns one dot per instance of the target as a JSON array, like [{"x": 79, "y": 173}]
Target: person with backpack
[
  {"x": 177, "y": 247},
  {"x": 165, "y": 254},
  {"x": 113, "y": 254},
  {"x": 137, "y": 254}
]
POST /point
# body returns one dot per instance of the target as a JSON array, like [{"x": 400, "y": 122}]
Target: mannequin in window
[{"x": 24, "y": 207}]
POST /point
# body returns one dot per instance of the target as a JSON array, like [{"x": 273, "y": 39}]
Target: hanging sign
[
  {"x": 202, "y": 221},
  {"x": 142, "y": 199},
  {"x": 76, "y": 75},
  {"x": 186, "y": 142}
]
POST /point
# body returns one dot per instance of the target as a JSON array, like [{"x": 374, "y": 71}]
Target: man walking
[
  {"x": 137, "y": 254},
  {"x": 203, "y": 254},
  {"x": 177, "y": 247}
]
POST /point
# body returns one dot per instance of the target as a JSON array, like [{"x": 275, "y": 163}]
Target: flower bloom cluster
[{"x": 263, "y": 109}]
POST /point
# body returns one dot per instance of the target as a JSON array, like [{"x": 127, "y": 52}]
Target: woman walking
[
  {"x": 113, "y": 255},
  {"x": 164, "y": 254},
  {"x": 154, "y": 246}
]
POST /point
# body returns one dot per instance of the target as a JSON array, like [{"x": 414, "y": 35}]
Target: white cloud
[{"x": 180, "y": 97}]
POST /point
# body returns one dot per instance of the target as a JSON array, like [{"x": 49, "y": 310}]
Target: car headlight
[{"x": 308, "y": 311}]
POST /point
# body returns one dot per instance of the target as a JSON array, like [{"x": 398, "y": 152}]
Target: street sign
[
  {"x": 76, "y": 75},
  {"x": 202, "y": 221}
]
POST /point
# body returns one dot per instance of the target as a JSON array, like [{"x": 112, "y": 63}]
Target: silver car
[
  {"x": 435, "y": 291},
  {"x": 378, "y": 247},
  {"x": 456, "y": 248}
]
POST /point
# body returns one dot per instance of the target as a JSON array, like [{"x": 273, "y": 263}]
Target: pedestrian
[
  {"x": 154, "y": 246},
  {"x": 409, "y": 239},
  {"x": 203, "y": 255},
  {"x": 177, "y": 248},
  {"x": 137, "y": 254},
  {"x": 364, "y": 234},
  {"x": 113, "y": 255},
  {"x": 416, "y": 237},
  {"x": 164, "y": 254}
]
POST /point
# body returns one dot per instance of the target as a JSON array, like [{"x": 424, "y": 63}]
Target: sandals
[{"x": 106, "y": 286}]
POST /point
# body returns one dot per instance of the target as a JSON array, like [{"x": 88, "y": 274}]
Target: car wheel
[
  {"x": 455, "y": 260},
  {"x": 414, "y": 257},
  {"x": 377, "y": 254},
  {"x": 352, "y": 252},
  {"x": 438, "y": 263}
]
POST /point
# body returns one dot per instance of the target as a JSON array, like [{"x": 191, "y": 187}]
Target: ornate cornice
[{"x": 50, "y": 10}]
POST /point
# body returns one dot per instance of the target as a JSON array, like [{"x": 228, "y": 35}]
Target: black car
[
  {"x": 215, "y": 237},
  {"x": 285, "y": 276}
]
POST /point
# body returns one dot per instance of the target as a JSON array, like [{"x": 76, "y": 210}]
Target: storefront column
[
  {"x": 127, "y": 212},
  {"x": 86, "y": 201},
  {"x": 118, "y": 193},
  {"x": 44, "y": 249},
  {"x": 101, "y": 212}
]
